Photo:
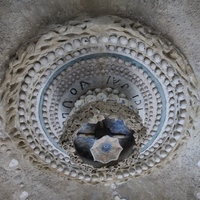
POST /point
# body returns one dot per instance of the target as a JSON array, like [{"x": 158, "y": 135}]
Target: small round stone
[
  {"x": 32, "y": 145},
  {"x": 85, "y": 41},
  {"x": 172, "y": 142},
  {"x": 13, "y": 163},
  {"x": 119, "y": 49},
  {"x": 37, "y": 150},
  {"x": 149, "y": 52},
  {"x": 181, "y": 96},
  {"x": 119, "y": 175},
  {"x": 144, "y": 167},
  {"x": 43, "y": 60},
  {"x": 31, "y": 72},
  {"x": 87, "y": 178},
  {"x": 59, "y": 168},
  {"x": 93, "y": 40},
  {"x": 179, "y": 128},
  {"x": 23, "y": 195},
  {"x": 47, "y": 159},
  {"x": 60, "y": 51},
  {"x": 104, "y": 39},
  {"x": 37, "y": 66},
  {"x": 53, "y": 165},
  {"x": 177, "y": 135},
  {"x": 170, "y": 71},
  {"x": 141, "y": 46},
  {"x": 146, "y": 61},
  {"x": 111, "y": 48},
  {"x": 179, "y": 88},
  {"x": 80, "y": 176},
  {"x": 138, "y": 170},
  {"x": 77, "y": 43},
  {"x": 140, "y": 57},
  {"x": 68, "y": 47},
  {"x": 183, "y": 104},
  {"x": 157, "y": 58},
  {"x": 132, "y": 43},
  {"x": 66, "y": 171},
  {"x": 123, "y": 40},
  {"x": 153, "y": 66},
  {"x": 150, "y": 163},
  {"x": 113, "y": 39},
  {"x": 116, "y": 198},
  {"x": 27, "y": 80},
  {"x": 51, "y": 56},
  {"x": 126, "y": 173},
  {"x": 168, "y": 148},
  {"x": 156, "y": 159}
]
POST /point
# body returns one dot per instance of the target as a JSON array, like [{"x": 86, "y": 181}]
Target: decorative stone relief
[{"x": 148, "y": 78}]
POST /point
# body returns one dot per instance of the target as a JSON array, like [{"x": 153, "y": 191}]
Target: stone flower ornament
[{"x": 106, "y": 149}]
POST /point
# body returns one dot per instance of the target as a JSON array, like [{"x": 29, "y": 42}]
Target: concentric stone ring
[
  {"x": 95, "y": 107},
  {"x": 52, "y": 73}
]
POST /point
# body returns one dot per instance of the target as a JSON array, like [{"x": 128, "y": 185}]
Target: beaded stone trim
[{"x": 45, "y": 79}]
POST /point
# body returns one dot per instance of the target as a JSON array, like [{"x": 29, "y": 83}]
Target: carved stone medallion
[{"x": 107, "y": 63}]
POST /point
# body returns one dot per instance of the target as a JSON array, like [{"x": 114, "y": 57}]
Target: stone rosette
[{"x": 46, "y": 78}]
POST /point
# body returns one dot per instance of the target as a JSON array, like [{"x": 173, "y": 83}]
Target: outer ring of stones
[{"x": 139, "y": 50}]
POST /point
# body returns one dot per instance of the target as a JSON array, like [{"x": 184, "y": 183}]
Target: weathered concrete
[{"x": 178, "y": 21}]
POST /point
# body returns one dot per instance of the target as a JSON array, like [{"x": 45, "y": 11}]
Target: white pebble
[
  {"x": 156, "y": 159},
  {"x": 149, "y": 52},
  {"x": 132, "y": 43},
  {"x": 170, "y": 71},
  {"x": 177, "y": 135},
  {"x": 77, "y": 43},
  {"x": 117, "y": 198},
  {"x": 138, "y": 170},
  {"x": 172, "y": 142},
  {"x": 13, "y": 163},
  {"x": 60, "y": 51},
  {"x": 150, "y": 163},
  {"x": 68, "y": 47},
  {"x": 168, "y": 148},
  {"x": 133, "y": 53},
  {"x": 43, "y": 60},
  {"x": 113, "y": 39},
  {"x": 104, "y": 39},
  {"x": 84, "y": 41},
  {"x": 51, "y": 56},
  {"x": 144, "y": 167},
  {"x": 37, "y": 66},
  {"x": 93, "y": 40},
  {"x": 157, "y": 58},
  {"x": 23, "y": 195},
  {"x": 141, "y": 46},
  {"x": 179, "y": 88},
  {"x": 123, "y": 40}
]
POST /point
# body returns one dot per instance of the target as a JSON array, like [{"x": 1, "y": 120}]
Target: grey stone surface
[{"x": 178, "y": 21}]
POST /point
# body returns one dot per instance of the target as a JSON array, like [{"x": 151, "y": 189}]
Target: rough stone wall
[{"x": 177, "y": 20}]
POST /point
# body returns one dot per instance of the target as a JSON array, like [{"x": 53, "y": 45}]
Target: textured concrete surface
[{"x": 178, "y": 21}]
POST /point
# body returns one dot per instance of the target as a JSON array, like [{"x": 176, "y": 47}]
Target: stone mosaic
[{"x": 58, "y": 72}]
